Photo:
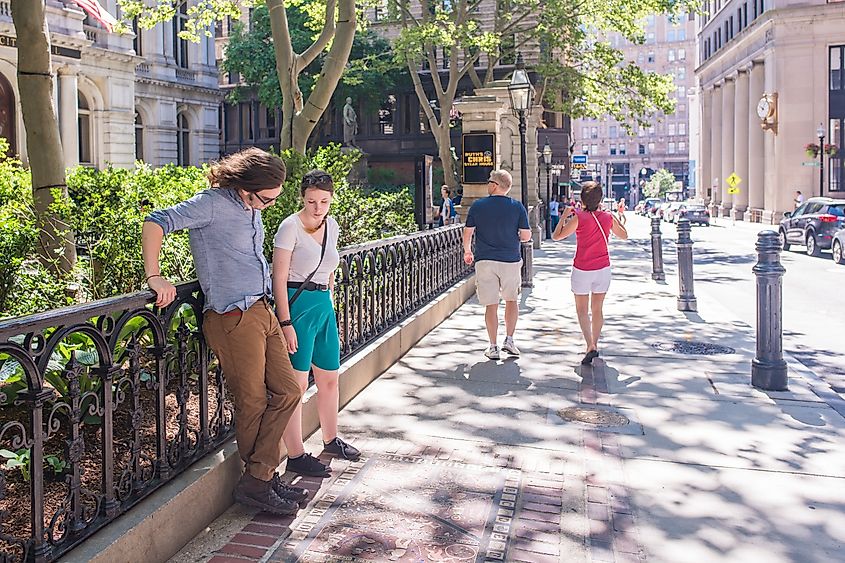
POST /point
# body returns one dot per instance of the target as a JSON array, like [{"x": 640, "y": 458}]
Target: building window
[
  {"x": 137, "y": 43},
  {"x": 585, "y": 132},
  {"x": 651, "y": 56},
  {"x": 180, "y": 46},
  {"x": 649, "y": 37},
  {"x": 682, "y": 74},
  {"x": 385, "y": 115},
  {"x": 594, "y": 132},
  {"x": 682, "y": 91},
  {"x": 640, "y": 149},
  {"x": 613, "y": 150},
  {"x": 651, "y": 147},
  {"x": 585, "y": 149},
  {"x": 381, "y": 11},
  {"x": 682, "y": 128},
  {"x": 682, "y": 54},
  {"x": 682, "y": 147},
  {"x": 682, "y": 109},
  {"x": 671, "y": 148},
  {"x": 837, "y": 67},
  {"x": 612, "y": 131},
  {"x": 266, "y": 123},
  {"x": 183, "y": 135},
  {"x": 139, "y": 137},
  {"x": 246, "y": 133},
  {"x": 594, "y": 149},
  {"x": 670, "y": 35},
  {"x": 682, "y": 34},
  {"x": 670, "y": 129},
  {"x": 671, "y": 56},
  {"x": 623, "y": 149},
  {"x": 84, "y": 130}
]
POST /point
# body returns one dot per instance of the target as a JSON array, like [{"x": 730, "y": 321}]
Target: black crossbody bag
[{"x": 311, "y": 275}]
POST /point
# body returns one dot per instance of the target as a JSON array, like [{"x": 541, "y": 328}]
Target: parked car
[
  {"x": 813, "y": 224},
  {"x": 671, "y": 211},
  {"x": 696, "y": 213},
  {"x": 839, "y": 247},
  {"x": 651, "y": 205}
]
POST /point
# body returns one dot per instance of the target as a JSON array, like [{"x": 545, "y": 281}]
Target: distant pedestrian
[
  {"x": 499, "y": 224},
  {"x": 227, "y": 239},
  {"x": 799, "y": 199},
  {"x": 446, "y": 211},
  {"x": 305, "y": 257},
  {"x": 620, "y": 211},
  {"x": 591, "y": 267},
  {"x": 554, "y": 212}
]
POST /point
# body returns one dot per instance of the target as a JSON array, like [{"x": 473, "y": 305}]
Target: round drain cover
[
  {"x": 596, "y": 417},
  {"x": 692, "y": 348}
]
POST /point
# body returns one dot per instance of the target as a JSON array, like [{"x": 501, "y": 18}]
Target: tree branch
[{"x": 326, "y": 35}]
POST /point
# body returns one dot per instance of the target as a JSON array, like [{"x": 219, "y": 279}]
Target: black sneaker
[
  {"x": 589, "y": 356},
  {"x": 340, "y": 448},
  {"x": 307, "y": 464},
  {"x": 284, "y": 491},
  {"x": 259, "y": 494}
]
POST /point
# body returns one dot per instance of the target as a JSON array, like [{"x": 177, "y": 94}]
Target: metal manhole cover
[
  {"x": 596, "y": 417},
  {"x": 693, "y": 348}
]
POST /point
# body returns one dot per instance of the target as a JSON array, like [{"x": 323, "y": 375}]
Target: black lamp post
[
  {"x": 820, "y": 133},
  {"x": 521, "y": 94},
  {"x": 547, "y": 160}
]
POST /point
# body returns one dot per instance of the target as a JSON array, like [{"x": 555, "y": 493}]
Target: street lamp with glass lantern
[
  {"x": 522, "y": 97},
  {"x": 820, "y": 132},
  {"x": 547, "y": 160}
]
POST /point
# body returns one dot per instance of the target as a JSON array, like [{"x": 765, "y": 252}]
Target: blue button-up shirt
[{"x": 227, "y": 240}]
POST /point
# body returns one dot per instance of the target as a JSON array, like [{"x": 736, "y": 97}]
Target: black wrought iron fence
[{"x": 102, "y": 403}]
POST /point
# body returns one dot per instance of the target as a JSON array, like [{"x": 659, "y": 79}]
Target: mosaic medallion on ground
[{"x": 409, "y": 508}]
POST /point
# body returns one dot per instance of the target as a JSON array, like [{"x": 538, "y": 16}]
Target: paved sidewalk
[{"x": 473, "y": 460}]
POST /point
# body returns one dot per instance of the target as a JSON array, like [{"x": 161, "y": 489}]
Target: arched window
[
  {"x": 139, "y": 137},
  {"x": 8, "y": 122},
  {"x": 84, "y": 130},
  {"x": 180, "y": 46},
  {"x": 183, "y": 149}
]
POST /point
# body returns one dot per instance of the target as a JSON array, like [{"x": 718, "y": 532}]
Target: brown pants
[{"x": 254, "y": 357}]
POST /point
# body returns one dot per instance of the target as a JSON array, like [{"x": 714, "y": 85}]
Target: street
[{"x": 812, "y": 303}]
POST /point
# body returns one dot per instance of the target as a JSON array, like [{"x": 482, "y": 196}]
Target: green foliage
[
  {"x": 370, "y": 75},
  {"x": 107, "y": 210},
  {"x": 659, "y": 184},
  {"x": 21, "y": 460}
]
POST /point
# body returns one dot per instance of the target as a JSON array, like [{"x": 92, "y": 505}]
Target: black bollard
[
  {"x": 686, "y": 295},
  {"x": 656, "y": 251},
  {"x": 768, "y": 369}
]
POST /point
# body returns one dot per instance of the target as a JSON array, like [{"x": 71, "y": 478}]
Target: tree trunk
[
  {"x": 44, "y": 148},
  {"x": 444, "y": 151},
  {"x": 300, "y": 118}
]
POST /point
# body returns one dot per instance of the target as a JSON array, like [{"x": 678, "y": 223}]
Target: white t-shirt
[
  {"x": 554, "y": 208},
  {"x": 305, "y": 250}
]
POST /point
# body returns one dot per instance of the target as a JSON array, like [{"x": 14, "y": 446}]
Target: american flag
[{"x": 96, "y": 11}]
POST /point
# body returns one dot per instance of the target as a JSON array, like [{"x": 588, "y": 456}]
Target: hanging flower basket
[
  {"x": 831, "y": 150},
  {"x": 811, "y": 150}
]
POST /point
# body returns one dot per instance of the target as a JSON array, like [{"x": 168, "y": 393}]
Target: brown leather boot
[{"x": 259, "y": 494}]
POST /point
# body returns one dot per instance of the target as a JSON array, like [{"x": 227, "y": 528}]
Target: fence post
[
  {"x": 768, "y": 368},
  {"x": 656, "y": 251},
  {"x": 686, "y": 295},
  {"x": 527, "y": 251}
]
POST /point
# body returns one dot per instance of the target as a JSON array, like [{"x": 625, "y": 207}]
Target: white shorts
[{"x": 585, "y": 282}]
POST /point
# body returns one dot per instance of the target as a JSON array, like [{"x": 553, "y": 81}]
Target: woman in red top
[{"x": 591, "y": 267}]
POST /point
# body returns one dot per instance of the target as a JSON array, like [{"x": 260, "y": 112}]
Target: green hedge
[{"x": 106, "y": 213}]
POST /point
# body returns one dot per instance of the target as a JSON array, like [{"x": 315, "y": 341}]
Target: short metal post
[
  {"x": 686, "y": 295},
  {"x": 527, "y": 251},
  {"x": 656, "y": 251},
  {"x": 768, "y": 369}
]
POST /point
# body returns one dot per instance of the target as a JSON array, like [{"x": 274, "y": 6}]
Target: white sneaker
[
  {"x": 492, "y": 352},
  {"x": 510, "y": 347}
]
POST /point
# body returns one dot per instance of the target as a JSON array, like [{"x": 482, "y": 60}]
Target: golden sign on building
[{"x": 478, "y": 156}]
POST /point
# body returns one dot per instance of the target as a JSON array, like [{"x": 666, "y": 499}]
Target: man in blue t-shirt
[{"x": 499, "y": 223}]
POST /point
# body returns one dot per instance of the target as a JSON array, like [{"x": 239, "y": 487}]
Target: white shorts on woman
[{"x": 585, "y": 282}]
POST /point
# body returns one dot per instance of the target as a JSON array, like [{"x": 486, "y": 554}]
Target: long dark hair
[
  {"x": 591, "y": 194},
  {"x": 251, "y": 170}
]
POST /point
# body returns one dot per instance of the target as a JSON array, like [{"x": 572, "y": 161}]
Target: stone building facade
[
  {"x": 769, "y": 74},
  {"x": 119, "y": 96}
]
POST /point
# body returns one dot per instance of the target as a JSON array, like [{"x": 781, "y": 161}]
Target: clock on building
[
  {"x": 767, "y": 111},
  {"x": 764, "y": 107}
]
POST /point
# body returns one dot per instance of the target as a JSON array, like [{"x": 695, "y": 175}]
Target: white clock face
[{"x": 763, "y": 108}]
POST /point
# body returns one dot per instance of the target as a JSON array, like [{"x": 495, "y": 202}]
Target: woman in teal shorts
[{"x": 304, "y": 269}]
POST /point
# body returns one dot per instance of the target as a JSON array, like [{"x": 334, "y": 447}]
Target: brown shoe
[
  {"x": 259, "y": 494},
  {"x": 298, "y": 495}
]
